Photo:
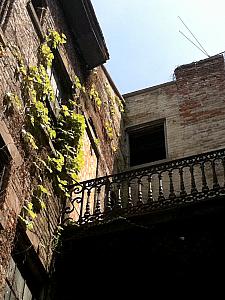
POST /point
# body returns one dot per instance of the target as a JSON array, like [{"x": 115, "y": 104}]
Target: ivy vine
[{"x": 63, "y": 165}]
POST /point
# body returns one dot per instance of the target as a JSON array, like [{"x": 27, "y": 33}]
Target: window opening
[
  {"x": 61, "y": 84},
  {"x": 147, "y": 144},
  {"x": 39, "y": 8}
]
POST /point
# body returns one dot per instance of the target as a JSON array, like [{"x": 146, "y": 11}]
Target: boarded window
[{"x": 147, "y": 144}]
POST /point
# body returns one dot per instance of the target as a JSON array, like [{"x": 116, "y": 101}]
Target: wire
[
  {"x": 202, "y": 49},
  {"x": 193, "y": 43}
]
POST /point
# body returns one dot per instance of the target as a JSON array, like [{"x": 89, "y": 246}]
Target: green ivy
[{"x": 63, "y": 167}]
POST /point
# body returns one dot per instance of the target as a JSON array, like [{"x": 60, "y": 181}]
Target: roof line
[
  {"x": 112, "y": 83},
  {"x": 148, "y": 89}
]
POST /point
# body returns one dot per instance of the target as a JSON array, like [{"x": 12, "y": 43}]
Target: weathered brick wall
[
  {"x": 107, "y": 155},
  {"x": 18, "y": 184},
  {"x": 201, "y": 94},
  {"x": 193, "y": 107},
  {"x": 20, "y": 31},
  {"x": 110, "y": 150},
  {"x": 160, "y": 102}
]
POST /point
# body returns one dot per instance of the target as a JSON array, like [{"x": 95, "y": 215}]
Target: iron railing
[{"x": 157, "y": 187}]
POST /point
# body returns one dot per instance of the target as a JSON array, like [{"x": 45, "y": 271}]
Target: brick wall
[
  {"x": 193, "y": 107},
  {"x": 201, "y": 93},
  {"x": 21, "y": 32}
]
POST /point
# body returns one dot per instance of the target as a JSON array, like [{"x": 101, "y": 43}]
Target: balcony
[
  {"x": 151, "y": 190},
  {"x": 165, "y": 220}
]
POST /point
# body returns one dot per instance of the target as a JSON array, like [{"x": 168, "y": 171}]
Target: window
[
  {"x": 16, "y": 286},
  {"x": 37, "y": 10},
  {"x": 26, "y": 276},
  {"x": 61, "y": 84},
  {"x": 39, "y": 7},
  {"x": 147, "y": 144},
  {"x": 4, "y": 163},
  {"x": 90, "y": 121},
  {"x": 58, "y": 92}
]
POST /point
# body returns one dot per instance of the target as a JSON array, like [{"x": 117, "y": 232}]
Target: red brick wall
[{"x": 201, "y": 94}]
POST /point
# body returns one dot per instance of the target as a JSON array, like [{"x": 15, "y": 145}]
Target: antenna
[{"x": 200, "y": 47}]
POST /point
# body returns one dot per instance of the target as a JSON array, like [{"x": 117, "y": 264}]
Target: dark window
[
  {"x": 4, "y": 164},
  {"x": 147, "y": 144},
  {"x": 37, "y": 10},
  {"x": 61, "y": 84},
  {"x": 40, "y": 8}
]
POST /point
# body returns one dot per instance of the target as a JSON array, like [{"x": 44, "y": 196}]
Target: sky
[{"x": 144, "y": 41}]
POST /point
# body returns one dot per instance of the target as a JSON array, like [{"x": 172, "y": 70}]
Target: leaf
[
  {"x": 30, "y": 225},
  {"x": 43, "y": 206},
  {"x": 63, "y": 182},
  {"x": 30, "y": 205},
  {"x": 74, "y": 176},
  {"x": 43, "y": 189},
  {"x": 29, "y": 138},
  {"x": 32, "y": 214},
  {"x": 52, "y": 132}
]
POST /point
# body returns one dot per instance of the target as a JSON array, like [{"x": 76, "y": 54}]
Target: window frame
[
  {"x": 14, "y": 280},
  {"x": 63, "y": 83},
  {"x": 35, "y": 20},
  {"x": 145, "y": 127},
  {"x": 43, "y": 6},
  {"x": 26, "y": 260}
]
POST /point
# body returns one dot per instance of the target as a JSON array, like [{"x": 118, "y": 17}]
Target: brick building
[
  {"x": 150, "y": 192},
  {"x": 164, "y": 215},
  {"x": 75, "y": 74}
]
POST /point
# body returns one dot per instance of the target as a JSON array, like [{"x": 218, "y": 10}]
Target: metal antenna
[
  {"x": 201, "y": 47},
  {"x": 194, "y": 43}
]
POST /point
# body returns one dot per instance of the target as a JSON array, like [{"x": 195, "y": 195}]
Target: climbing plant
[
  {"x": 65, "y": 160},
  {"x": 63, "y": 165}
]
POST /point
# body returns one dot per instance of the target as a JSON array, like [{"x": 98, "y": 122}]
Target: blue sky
[{"x": 144, "y": 42}]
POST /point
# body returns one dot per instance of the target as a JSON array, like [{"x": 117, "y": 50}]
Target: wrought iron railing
[{"x": 157, "y": 187}]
